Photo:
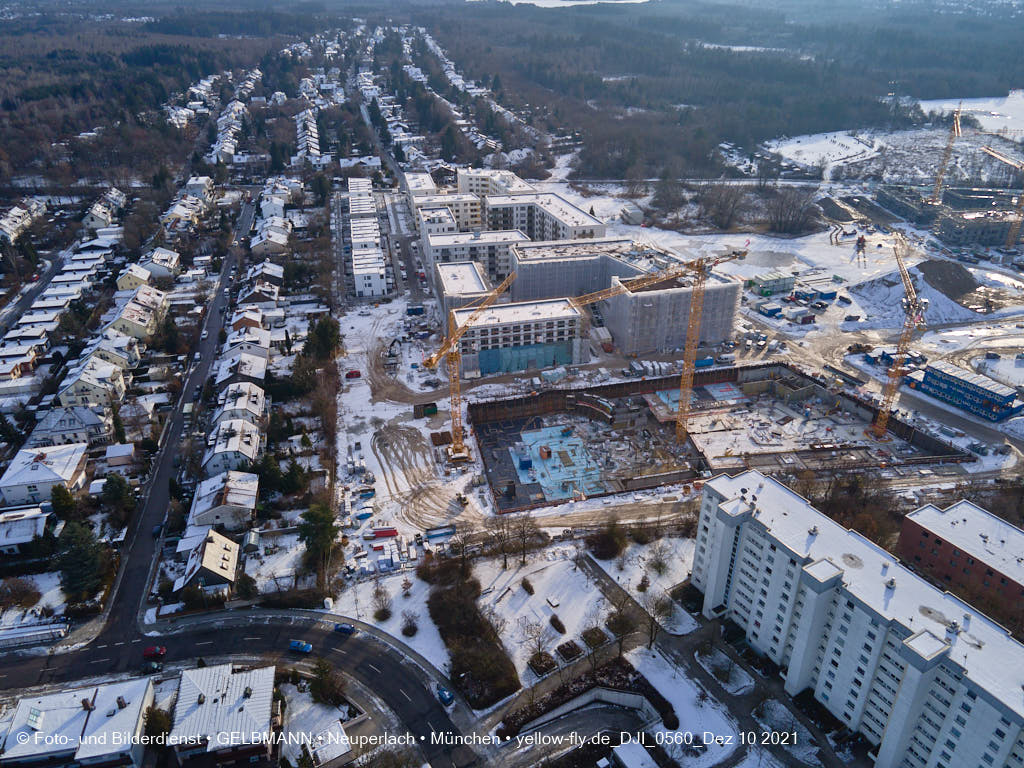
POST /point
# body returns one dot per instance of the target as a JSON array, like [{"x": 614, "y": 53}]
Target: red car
[
  {"x": 154, "y": 652},
  {"x": 353, "y": 375}
]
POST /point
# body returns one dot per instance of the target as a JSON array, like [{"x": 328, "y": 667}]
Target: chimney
[
  {"x": 201, "y": 699},
  {"x": 121, "y": 703},
  {"x": 87, "y": 704},
  {"x": 248, "y": 692}
]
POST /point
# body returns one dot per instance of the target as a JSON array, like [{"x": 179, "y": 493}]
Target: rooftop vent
[
  {"x": 890, "y": 583},
  {"x": 813, "y": 530},
  {"x": 201, "y": 699},
  {"x": 248, "y": 691},
  {"x": 87, "y": 705},
  {"x": 121, "y": 703}
]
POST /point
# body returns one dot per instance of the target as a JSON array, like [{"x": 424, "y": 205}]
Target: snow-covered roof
[
  {"x": 219, "y": 700},
  {"x": 236, "y": 489},
  {"x": 461, "y": 277},
  {"x": 490, "y": 237},
  {"x": 20, "y": 526},
  {"x": 214, "y": 554},
  {"x": 979, "y": 533},
  {"x": 53, "y": 464},
  {"x": 520, "y": 312},
  {"x": 60, "y": 723},
  {"x": 987, "y": 653}
]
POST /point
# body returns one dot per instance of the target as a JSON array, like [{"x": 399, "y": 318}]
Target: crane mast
[
  {"x": 954, "y": 134},
  {"x": 913, "y": 319},
  {"x": 450, "y": 351}
]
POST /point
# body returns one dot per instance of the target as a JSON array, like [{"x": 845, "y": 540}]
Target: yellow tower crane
[
  {"x": 699, "y": 269},
  {"x": 913, "y": 319},
  {"x": 954, "y": 134},
  {"x": 1014, "y": 234},
  {"x": 450, "y": 350}
]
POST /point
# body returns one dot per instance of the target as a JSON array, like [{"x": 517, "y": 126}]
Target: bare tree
[
  {"x": 534, "y": 635},
  {"x": 499, "y": 527},
  {"x": 381, "y": 601},
  {"x": 524, "y": 531},
  {"x": 721, "y": 203},
  {"x": 791, "y": 210},
  {"x": 619, "y": 620},
  {"x": 461, "y": 541},
  {"x": 657, "y": 608}
]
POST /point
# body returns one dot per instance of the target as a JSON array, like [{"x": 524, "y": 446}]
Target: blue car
[
  {"x": 300, "y": 646},
  {"x": 345, "y": 629},
  {"x": 444, "y": 695}
]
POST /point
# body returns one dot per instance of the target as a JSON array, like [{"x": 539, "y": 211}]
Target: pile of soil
[{"x": 950, "y": 278}]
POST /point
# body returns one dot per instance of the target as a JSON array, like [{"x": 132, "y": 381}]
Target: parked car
[
  {"x": 154, "y": 652},
  {"x": 345, "y": 628},
  {"x": 157, "y": 530},
  {"x": 151, "y": 667},
  {"x": 444, "y": 695},
  {"x": 300, "y": 646},
  {"x": 353, "y": 374},
  {"x": 204, "y": 335}
]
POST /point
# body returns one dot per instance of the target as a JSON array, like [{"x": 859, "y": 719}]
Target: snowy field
[
  {"x": 695, "y": 716},
  {"x": 638, "y": 560},
  {"x": 825, "y": 149},
  {"x": 559, "y": 589},
  {"x": 775, "y": 717},
  {"x": 356, "y": 601},
  {"x": 994, "y": 114},
  {"x": 717, "y": 664}
]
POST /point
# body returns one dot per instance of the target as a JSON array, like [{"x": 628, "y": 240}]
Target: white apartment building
[
  {"x": 490, "y": 249},
  {"x": 369, "y": 272},
  {"x": 542, "y": 216},
  {"x": 465, "y": 208},
  {"x": 924, "y": 677},
  {"x": 362, "y": 207},
  {"x": 487, "y": 181},
  {"x": 364, "y": 233},
  {"x": 457, "y": 284},
  {"x": 420, "y": 184}
]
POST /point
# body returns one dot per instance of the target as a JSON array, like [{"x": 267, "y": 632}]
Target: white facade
[
  {"x": 490, "y": 249},
  {"x": 924, "y": 677},
  {"x": 543, "y": 216},
  {"x": 486, "y": 181}
]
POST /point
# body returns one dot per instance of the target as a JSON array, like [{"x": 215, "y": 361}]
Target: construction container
[
  {"x": 424, "y": 409},
  {"x": 545, "y": 453}
]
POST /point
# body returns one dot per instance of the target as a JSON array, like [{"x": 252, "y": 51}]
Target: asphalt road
[
  {"x": 17, "y": 309},
  {"x": 118, "y": 646}
]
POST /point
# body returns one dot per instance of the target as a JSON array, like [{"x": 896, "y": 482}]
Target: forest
[{"x": 657, "y": 85}]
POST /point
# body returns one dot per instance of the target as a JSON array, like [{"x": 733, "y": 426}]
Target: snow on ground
[
  {"x": 51, "y": 597},
  {"x": 694, "y": 715},
  {"x": 994, "y": 113},
  {"x": 636, "y": 561},
  {"x": 304, "y": 719},
  {"x": 775, "y": 717},
  {"x": 826, "y": 149},
  {"x": 1007, "y": 369},
  {"x": 356, "y": 601},
  {"x": 559, "y": 589},
  {"x": 276, "y": 563},
  {"x": 717, "y": 663}
]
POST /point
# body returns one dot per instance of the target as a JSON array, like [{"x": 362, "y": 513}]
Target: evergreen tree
[
  {"x": 81, "y": 560},
  {"x": 63, "y": 502}
]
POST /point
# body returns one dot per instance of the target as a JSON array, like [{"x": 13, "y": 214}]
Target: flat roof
[
  {"x": 554, "y": 205},
  {"x": 438, "y": 200},
  {"x": 978, "y": 533},
  {"x": 461, "y": 277},
  {"x": 520, "y": 312},
  {"x": 989, "y": 655},
  {"x": 489, "y": 237},
  {"x": 977, "y": 379},
  {"x": 420, "y": 183}
]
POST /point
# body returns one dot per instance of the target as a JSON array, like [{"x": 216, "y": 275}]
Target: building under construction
[
  {"x": 965, "y": 217},
  {"x": 574, "y": 443},
  {"x": 651, "y": 320}
]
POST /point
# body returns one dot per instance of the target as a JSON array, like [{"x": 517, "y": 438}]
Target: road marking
[
  {"x": 137, "y": 640},
  {"x": 102, "y": 646},
  {"x": 251, "y": 638},
  {"x": 408, "y": 698},
  {"x": 121, "y": 643},
  {"x": 99, "y": 661},
  {"x": 206, "y": 642},
  {"x": 373, "y": 668}
]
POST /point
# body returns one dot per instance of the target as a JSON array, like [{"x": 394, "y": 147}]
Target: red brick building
[{"x": 965, "y": 547}]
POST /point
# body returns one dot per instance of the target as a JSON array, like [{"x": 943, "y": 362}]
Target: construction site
[{"x": 580, "y": 443}]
